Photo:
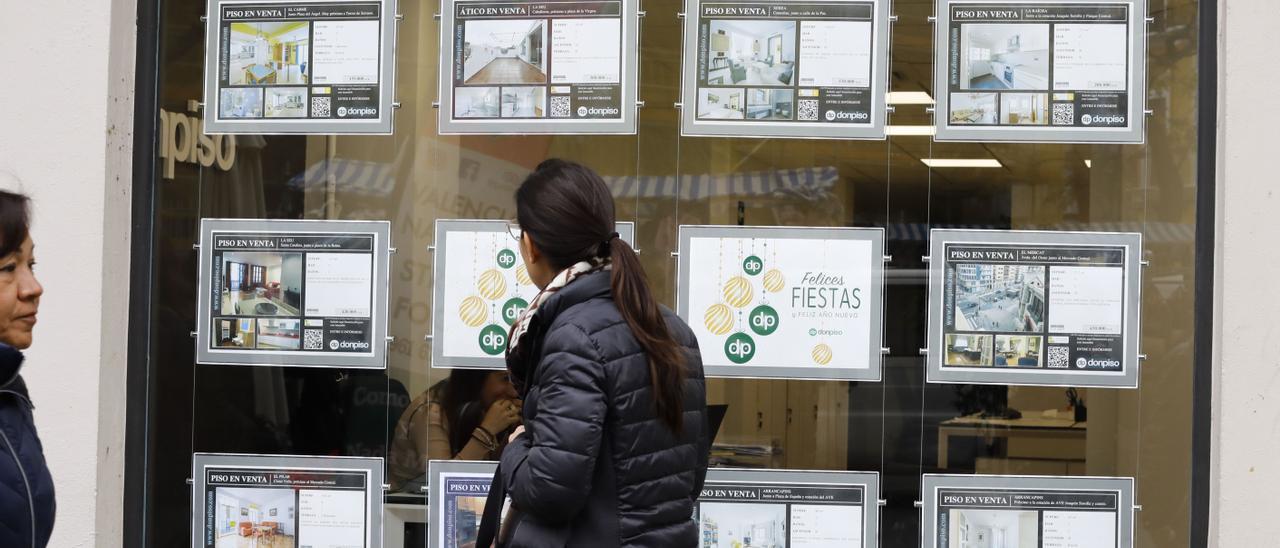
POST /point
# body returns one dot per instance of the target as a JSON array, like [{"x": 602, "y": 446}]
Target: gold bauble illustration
[
  {"x": 822, "y": 354},
  {"x": 522, "y": 276},
  {"x": 472, "y": 311},
  {"x": 737, "y": 292},
  {"x": 774, "y": 281},
  {"x": 718, "y": 319},
  {"x": 491, "y": 284}
]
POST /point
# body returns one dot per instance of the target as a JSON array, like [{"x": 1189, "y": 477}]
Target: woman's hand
[
  {"x": 501, "y": 415},
  {"x": 515, "y": 433}
]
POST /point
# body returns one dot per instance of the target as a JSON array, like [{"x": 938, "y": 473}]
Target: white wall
[
  {"x": 67, "y": 133},
  {"x": 1246, "y": 416}
]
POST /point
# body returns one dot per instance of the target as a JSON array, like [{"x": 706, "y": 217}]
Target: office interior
[
  {"x": 254, "y": 517},
  {"x": 269, "y": 53},
  {"x": 662, "y": 180}
]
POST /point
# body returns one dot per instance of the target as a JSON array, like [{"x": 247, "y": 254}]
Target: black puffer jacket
[
  {"x": 595, "y": 467},
  {"x": 26, "y": 489}
]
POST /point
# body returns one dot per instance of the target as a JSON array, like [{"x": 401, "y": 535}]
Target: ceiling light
[
  {"x": 961, "y": 162},
  {"x": 910, "y": 130},
  {"x": 1088, "y": 164},
  {"x": 909, "y": 98}
]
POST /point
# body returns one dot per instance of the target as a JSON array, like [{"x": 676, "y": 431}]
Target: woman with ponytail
[{"x": 614, "y": 447}]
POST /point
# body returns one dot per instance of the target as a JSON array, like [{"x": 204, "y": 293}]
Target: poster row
[
  {"x": 1004, "y": 70},
  {"x": 1005, "y": 307},
  {"x": 337, "y": 502}
]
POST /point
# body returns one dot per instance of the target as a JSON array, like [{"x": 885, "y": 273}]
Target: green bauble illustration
[
  {"x": 512, "y": 309},
  {"x": 493, "y": 339},
  {"x": 506, "y": 258},
  {"x": 763, "y": 320},
  {"x": 739, "y": 348},
  {"x": 752, "y": 265}
]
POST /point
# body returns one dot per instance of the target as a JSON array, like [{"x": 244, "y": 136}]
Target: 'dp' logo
[
  {"x": 739, "y": 348},
  {"x": 512, "y": 309},
  {"x": 752, "y": 265},
  {"x": 763, "y": 320},
  {"x": 493, "y": 340},
  {"x": 506, "y": 258}
]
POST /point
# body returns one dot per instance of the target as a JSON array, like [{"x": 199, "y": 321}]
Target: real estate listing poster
[
  {"x": 775, "y": 302},
  {"x": 788, "y": 509},
  {"x": 1027, "y": 511},
  {"x": 299, "y": 293},
  {"x": 285, "y": 501},
  {"x": 457, "y": 493},
  {"x": 785, "y": 68},
  {"x": 481, "y": 288},
  {"x": 1034, "y": 308},
  {"x": 524, "y": 67},
  {"x": 1041, "y": 71},
  {"x": 289, "y": 67}
]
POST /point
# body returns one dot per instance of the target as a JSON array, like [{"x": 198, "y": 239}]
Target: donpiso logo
[
  {"x": 343, "y": 112},
  {"x": 833, "y": 115},
  {"x": 348, "y": 345},
  {"x": 1089, "y": 120}
]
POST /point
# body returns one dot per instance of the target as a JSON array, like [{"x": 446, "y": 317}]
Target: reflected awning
[{"x": 813, "y": 183}]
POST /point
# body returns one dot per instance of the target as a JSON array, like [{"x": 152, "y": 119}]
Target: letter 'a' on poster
[
  {"x": 788, "y": 508},
  {"x": 785, "y": 68},
  {"x": 784, "y": 302},
  {"x": 1034, "y": 308},
  {"x": 960, "y": 511},
  {"x": 1045, "y": 71},
  {"x": 481, "y": 288},
  {"x": 293, "y": 293},
  {"x": 457, "y": 491},
  {"x": 290, "y": 67},
  {"x": 294, "y": 500},
  {"x": 519, "y": 67}
]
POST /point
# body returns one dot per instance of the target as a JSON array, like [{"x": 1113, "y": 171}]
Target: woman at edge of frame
[{"x": 615, "y": 441}]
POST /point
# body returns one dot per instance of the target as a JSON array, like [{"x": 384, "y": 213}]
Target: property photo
[
  {"x": 279, "y": 334},
  {"x": 234, "y": 333},
  {"x": 1027, "y": 109},
  {"x": 475, "y": 102},
  {"x": 739, "y": 525},
  {"x": 968, "y": 350},
  {"x": 254, "y": 517},
  {"x": 269, "y": 53},
  {"x": 1004, "y": 56},
  {"x": 753, "y": 53},
  {"x": 504, "y": 52},
  {"x": 720, "y": 104},
  {"x": 770, "y": 104},
  {"x": 286, "y": 102},
  {"x": 999, "y": 297},
  {"x": 973, "y": 108},
  {"x": 1018, "y": 350},
  {"x": 993, "y": 529},
  {"x": 524, "y": 102},
  {"x": 240, "y": 102},
  {"x": 466, "y": 522},
  {"x": 261, "y": 284}
]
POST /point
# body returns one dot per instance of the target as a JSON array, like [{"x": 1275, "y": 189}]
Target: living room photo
[
  {"x": 261, "y": 284},
  {"x": 504, "y": 52},
  {"x": 255, "y": 518},
  {"x": 269, "y": 53},
  {"x": 753, "y": 53}
]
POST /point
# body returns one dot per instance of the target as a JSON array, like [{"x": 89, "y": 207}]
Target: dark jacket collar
[
  {"x": 523, "y": 360},
  {"x": 10, "y": 366}
]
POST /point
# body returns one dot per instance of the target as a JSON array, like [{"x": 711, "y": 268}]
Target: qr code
[
  {"x": 1059, "y": 357},
  {"x": 1064, "y": 114},
  {"x": 560, "y": 106},
  {"x": 320, "y": 107},
  {"x": 312, "y": 339},
  {"x": 808, "y": 110}
]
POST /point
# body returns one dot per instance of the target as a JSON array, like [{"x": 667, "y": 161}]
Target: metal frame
[
  {"x": 630, "y": 105},
  {"x": 931, "y": 483},
  {"x": 690, "y": 126},
  {"x": 371, "y": 466},
  {"x": 376, "y": 358},
  {"x": 383, "y": 125},
  {"x": 875, "y": 352},
  {"x": 1134, "y": 134},
  {"x": 626, "y": 231},
  {"x": 868, "y": 481},
  {"x": 1131, "y": 242}
]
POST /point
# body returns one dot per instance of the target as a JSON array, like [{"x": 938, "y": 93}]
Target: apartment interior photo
[
  {"x": 523, "y": 102},
  {"x": 504, "y": 52},
  {"x": 753, "y": 53},
  {"x": 1018, "y": 350},
  {"x": 969, "y": 350},
  {"x": 261, "y": 284},
  {"x": 1024, "y": 109},
  {"x": 476, "y": 102},
  {"x": 1004, "y": 56},
  {"x": 255, "y": 518},
  {"x": 973, "y": 108},
  {"x": 720, "y": 104},
  {"x": 286, "y": 102},
  {"x": 994, "y": 529},
  {"x": 235, "y": 333},
  {"x": 770, "y": 104},
  {"x": 269, "y": 53}
]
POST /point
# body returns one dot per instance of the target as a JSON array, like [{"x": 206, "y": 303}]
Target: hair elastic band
[{"x": 605, "y": 246}]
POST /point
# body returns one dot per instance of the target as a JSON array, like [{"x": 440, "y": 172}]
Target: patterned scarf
[{"x": 565, "y": 277}]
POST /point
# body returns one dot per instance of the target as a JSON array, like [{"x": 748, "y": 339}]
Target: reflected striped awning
[
  {"x": 813, "y": 183},
  {"x": 1151, "y": 232},
  {"x": 352, "y": 177}
]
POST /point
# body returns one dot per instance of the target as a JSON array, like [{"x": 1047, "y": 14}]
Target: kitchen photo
[
  {"x": 720, "y": 103},
  {"x": 1024, "y": 109},
  {"x": 523, "y": 102},
  {"x": 1003, "y": 56},
  {"x": 993, "y": 529},
  {"x": 753, "y": 53},
  {"x": 506, "y": 51},
  {"x": 269, "y": 53},
  {"x": 279, "y": 334},
  {"x": 475, "y": 102},
  {"x": 261, "y": 284},
  {"x": 770, "y": 104},
  {"x": 254, "y": 517},
  {"x": 973, "y": 108},
  {"x": 286, "y": 102},
  {"x": 968, "y": 350},
  {"x": 240, "y": 103}
]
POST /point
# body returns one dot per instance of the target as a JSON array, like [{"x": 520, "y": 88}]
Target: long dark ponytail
[{"x": 567, "y": 210}]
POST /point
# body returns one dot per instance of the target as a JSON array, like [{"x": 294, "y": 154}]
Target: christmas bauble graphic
[
  {"x": 822, "y": 354},
  {"x": 472, "y": 311},
  {"x": 737, "y": 292},
  {"x": 491, "y": 284},
  {"x": 774, "y": 281},
  {"x": 718, "y": 319}
]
